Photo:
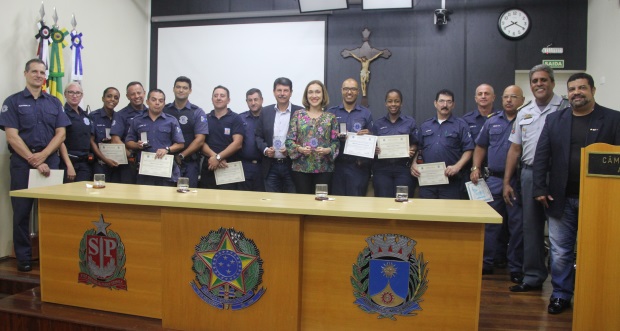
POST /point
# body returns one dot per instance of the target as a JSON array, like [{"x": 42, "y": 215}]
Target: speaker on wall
[{"x": 307, "y": 6}]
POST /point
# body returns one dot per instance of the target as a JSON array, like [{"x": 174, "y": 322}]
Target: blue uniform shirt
[
  {"x": 161, "y": 133},
  {"x": 403, "y": 125},
  {"x": 100, "y": 121},
  {"x": 192, "y": 120},
  {"x": 359, "y": 118},
  {"x": 221, "y": 131},
  {"x": 35, "y": 119},
  {"x": 249, "y": 151},
  {"x": 77, "y": 140},
  {"x": 475, "y": 120},
  {"x": 494, "y": 136},
  {"x": 445, "y": 142},
  {"x": 120, "y": 122}
]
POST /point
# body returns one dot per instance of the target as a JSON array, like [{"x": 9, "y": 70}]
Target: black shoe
[
  {"x": 524, "y": 287},
  {"x": 557, "y": 305},
  {"x": 24, "y": 266},
  {"x": 516, "y": 277},
  {"x": 487, "y": 271}
]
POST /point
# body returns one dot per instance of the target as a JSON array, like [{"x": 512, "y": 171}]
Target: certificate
[
  {"x": 278, "y": 143},
  {"x": 363, "y": 146},
  {"x": 36, "y": 179},
  {"x": 232, "y": 174},
  {"x": 432, "y": 174},
  {"x": 114, "y": 152},
  {"x": 480, "y": 191},
  {"x": 393, "y": 147},
  {"x": 151, "y": 166}
]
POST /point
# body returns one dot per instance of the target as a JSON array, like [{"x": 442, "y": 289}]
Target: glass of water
[
  {"x": 99, "y": 181},
  {"x": 183, "y": 185},
  {"x": 402, "y": 193},
  {"x": 321, "y": 192}
]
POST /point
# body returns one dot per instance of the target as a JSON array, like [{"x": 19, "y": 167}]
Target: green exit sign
[{"x": 555, "y": 64}]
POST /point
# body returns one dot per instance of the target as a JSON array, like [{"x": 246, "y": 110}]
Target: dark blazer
[
  {"x": 264, "y": 132},
  {"x": 552, "y": 151}
]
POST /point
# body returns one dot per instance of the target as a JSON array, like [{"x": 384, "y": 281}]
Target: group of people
[{"x": 289, "y": 148}]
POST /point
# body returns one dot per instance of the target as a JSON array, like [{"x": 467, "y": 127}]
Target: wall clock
[{"x": 514, "y": 24}]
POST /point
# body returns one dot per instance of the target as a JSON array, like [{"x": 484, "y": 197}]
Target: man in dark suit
[
  {"x": 558, "y": 157},
  {"x": 271, "y": 132}
]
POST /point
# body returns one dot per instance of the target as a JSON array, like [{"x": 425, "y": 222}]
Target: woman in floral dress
[{"x": 312, "y": 141}]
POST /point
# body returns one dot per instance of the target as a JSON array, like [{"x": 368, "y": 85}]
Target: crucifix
[{"x": 365, "y": 54}]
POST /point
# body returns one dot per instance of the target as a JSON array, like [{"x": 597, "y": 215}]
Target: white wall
[{"x": 116, "y": 51}]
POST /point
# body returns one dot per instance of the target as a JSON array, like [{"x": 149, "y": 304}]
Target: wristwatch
[
  {"x": 474, "y": 168},
  {"x": 181, "y": 157},
  {"x": 218, "y": 157},
  {"x": 167, "y": 149}
]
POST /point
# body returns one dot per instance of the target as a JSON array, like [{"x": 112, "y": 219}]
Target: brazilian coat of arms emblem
[
  {"x": 388, "y": 278},
  {"x": 228, "y": 270},
  {"x": 102, "y": 258}
]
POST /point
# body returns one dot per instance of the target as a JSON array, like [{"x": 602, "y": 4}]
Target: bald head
[
  {"x": 485, "y": 96},
  {"x": 512, "y": 99},
  {"x": 350, "y": 90}
]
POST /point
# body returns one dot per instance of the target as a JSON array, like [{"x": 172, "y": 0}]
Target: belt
[
  {"x": 76, "y": 158},
  {"x": 251, "y": 161},
  {"x": 281, "y": 161},
  {"x": 496, "y": 174},
  {"x": 525, "y": 166}
]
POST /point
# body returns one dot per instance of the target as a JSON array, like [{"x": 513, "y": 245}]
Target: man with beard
[
  {"x": 558, "y": 157},
  {"x": 351, "y": 173},
  {"x": 493, "y": 142},
  {"x": 193, "y": 122},
  {"x": 120, "y": 125},
  {"x": 251, "y": 157},
  {"x": 524, "y": 136},
  {"x": 444, "y": 138}
]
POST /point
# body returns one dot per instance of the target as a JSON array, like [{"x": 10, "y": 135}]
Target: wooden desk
[{"x": 308, "y": 248}]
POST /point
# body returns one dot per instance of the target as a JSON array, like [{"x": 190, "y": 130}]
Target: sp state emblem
[
  {"x": 388, "y": 278},
  {"x": 228, "y": 270},
  {"x": 102, "y": 258}
]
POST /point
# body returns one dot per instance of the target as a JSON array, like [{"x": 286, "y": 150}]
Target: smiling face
[
  {"x": 220, "y": 99},
  {"x": 135, "y": 94},
  {"x": 350, "y": 91},
  {"x": 282, "y": 93},
  {"x": 484, "y": 96},
  {"x": 73, "y": 95},
  {"x": 393, "y": 102},
  {"x": 35, "y": 75},
  {"x": 542, "y": 86},
  {"x": 110, "y": 98},
  {"x": 581, "y": 94},
  {"x": 315, "y": 95}
]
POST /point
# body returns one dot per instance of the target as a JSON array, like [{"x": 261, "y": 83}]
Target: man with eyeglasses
[
  {"x": 34, "y": 123},
  {"x": 75, "y": 150},
  {"x": 351, "y": 173},
  {"x": 193, "y": 122},
  {"x": 493, "y": 142},
  {"x": 444, "y": 138}
]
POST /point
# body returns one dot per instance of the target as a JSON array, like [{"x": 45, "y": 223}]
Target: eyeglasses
[
  {"x": 512, "y": 96},
  {"x": 349, "y": 89},
  {"x": 447, "y": 102},
  {"x": 74, "y": 93}
]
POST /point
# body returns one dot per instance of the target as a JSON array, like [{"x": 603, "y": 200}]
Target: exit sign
[{"x": 555, "y": 64}]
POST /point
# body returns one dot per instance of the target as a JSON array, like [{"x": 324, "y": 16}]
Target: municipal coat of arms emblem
[
  {"x": 228, "y": 270},
  {"x": 388, "y": 278},
  {"x": 102, "y": 258}
]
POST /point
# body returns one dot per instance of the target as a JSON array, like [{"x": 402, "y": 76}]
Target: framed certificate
[
  {"x": 393, "y": 147},
  {"x": 151, "y": 166},
  {"x": 115, "y": 152},
  {"x": 232, "y": 174}
]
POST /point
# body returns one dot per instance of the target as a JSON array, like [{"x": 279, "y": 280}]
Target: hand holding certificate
[
  {"x": 432, "y": 174},
  {"x": 479, "y": 191},
  {"x": 114, "y": 152},
  {"x": 393, "y": 147},
  {"x": 231, "y": 174},
  {"x": 151, "y": 166},
  {"x": 363, "y": 146}
]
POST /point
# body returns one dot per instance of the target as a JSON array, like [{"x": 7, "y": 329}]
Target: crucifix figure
[{"x": 365, "y": 54}]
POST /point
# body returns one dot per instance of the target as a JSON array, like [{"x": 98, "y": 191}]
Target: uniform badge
[
  {"x": 227, "y": 131},
  {"x": 228, "y": 270},
  {"x": 183, "y": 119},
  {"x": 5, "y": 108},
  {"x": 357, "y": 127},
  {"x": 86, "y": 121},
  {"x": 388, "y": 278},
  {"x": 527, "y": 116},
  {"x": 102, "y": 258}
]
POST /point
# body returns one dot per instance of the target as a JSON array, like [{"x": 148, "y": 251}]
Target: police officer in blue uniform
[
  {"x": 351, "y": 173},
  {"x": 226, "y": 130},
  {"x": 101, "y": 120},
  {"x": 444, "y": 138},
  {"x": 493, "y": 142},
  {"x": 120, "y": 124},
  {"x": 75, "y": 150},
  {"x": 163, "y": 134},
  {"x": 34, "y": 122},
  {"x": 389, "y": 173},
  {"x": 250, "y": 155},
  {"x": 193, "y": 122}
]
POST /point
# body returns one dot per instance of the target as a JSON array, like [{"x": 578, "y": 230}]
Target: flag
[
  {"x": 76, "y": 56},
  {"x": 43, "y": 48},
  {"x": 57, "y": 67}
]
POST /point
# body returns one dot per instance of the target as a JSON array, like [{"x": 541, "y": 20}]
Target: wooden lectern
[{"x": 597, "y": 285}]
